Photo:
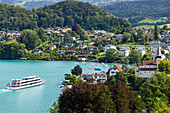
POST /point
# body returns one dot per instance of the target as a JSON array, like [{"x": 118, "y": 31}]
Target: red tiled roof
[
  {"x": 147, "y": 62},
  {"x": 119, "y": 68}
]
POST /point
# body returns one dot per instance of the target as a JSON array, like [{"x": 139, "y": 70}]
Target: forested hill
[
  {"x": 154, "y": 8},
  {"x": 67, "y": 13},
  {"x": 16, "y": 17}
]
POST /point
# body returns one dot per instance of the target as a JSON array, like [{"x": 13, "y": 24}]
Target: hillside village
[
  {"x": 94, "y": 46},
  {"x": 96, "y": 43}
]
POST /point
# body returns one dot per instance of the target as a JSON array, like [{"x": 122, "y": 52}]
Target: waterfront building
[{"x": 113, "y": 70}]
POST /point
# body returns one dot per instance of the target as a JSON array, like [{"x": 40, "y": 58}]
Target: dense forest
[
  {"x": 154, "y": 8},
  {"x": 65, "y": 13},
  {"x": 16, "y": 17},
  {"x": 68, "y": 13}
]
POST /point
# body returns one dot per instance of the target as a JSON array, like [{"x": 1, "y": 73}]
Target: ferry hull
[{"x": 18, "y": 88}]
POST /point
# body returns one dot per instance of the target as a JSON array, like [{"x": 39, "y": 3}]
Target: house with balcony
[{"x": 124, "y": 51}]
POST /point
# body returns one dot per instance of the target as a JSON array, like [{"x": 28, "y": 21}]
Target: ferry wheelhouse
[{"x": 25, "y": 83}]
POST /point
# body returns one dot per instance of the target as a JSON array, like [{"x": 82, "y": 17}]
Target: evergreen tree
[
  {"x": 156, "y": 34},
  {"x": 146, "y": 38},
  {"x": 132, "y": 38},
  {"x": 104, "y": 101},
  {"x": 67, "y": 38}
]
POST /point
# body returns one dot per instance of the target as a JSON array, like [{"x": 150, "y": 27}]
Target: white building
[
  {"x": 146, "y": 68},
  {"x": 115, "y": 69},
  {"x": 79, "y": 41},
  {"x": 158, "y": 54},
  {"x": 153, "y": 48},
  {"x": 124, "y": 51},
  {"x": 168, "y": 48},
  {"x": 89, "y": 43},
  {"x": 93, "y": 48},
  {"x": 106, "y": 47},
  {"x": 119, "y": 36},
  {"x": 81, "y": 47},
  {"x": 52, "y": 47},
  {"x": 141, "y": 49},
  {"x": 109, "y": 34}
]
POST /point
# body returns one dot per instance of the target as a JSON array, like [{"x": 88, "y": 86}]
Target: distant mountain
[
  {"x": 65, "y": 13},
  {"x": 154, "y": 8},
  {"x": 41, "y": 3}
]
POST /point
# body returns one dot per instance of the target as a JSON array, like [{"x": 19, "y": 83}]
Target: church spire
[{"x": 158, "y": 49}]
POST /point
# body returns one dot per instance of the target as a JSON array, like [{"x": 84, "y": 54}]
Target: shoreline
[{"x": 62, "y": 60}]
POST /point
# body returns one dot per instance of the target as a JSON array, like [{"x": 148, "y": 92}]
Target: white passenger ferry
[{"x": 25, "y": 83}]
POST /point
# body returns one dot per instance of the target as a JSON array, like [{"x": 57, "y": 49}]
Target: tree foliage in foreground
[
  {"x": 164, "y": 66},
  {"x": 93, "y": 98},
  {"x": 155, "y": 92}
]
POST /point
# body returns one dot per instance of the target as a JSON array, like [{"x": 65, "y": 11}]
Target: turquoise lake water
[{"x": 36, "y": 99}]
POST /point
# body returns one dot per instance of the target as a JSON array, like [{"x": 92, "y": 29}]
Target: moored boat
[
  {"x": 25, "y": 83},
  {"x": 97, "y": 69}
]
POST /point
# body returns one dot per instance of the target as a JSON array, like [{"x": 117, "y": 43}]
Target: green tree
[
  {"x": 55, "y": 108},
  {"x": 125, "y": 63},
  {"x": 104, "y": 101},
  {"x": 30, "y": 39},
  {"x": 136, "y": 103},
  {"x": 155, "y": 91},
  {"x": 146, "y": 38},
  {"x": 156, "y": 34},
  {"x": 77, "y": 70},
  {"x": 141, "y": 34},
  {"x": 164, "y": 66},
  {"x": 41, "y": 33},
  {"x": 126, "y": 37},
  {"x": 111, "y": 55},
  {"x": 135, "y": 56},
  {"x": 132, "y": 38},
  {"x": 67, "y": 38}
]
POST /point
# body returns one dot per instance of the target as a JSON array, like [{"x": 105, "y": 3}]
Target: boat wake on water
[{"x": 4, "y": 90}]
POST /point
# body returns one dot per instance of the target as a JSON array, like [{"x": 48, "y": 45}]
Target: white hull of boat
[{"x": 17, "y": 88}]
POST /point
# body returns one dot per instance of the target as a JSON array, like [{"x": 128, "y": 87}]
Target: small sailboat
[{"x": 105, "y": 65}]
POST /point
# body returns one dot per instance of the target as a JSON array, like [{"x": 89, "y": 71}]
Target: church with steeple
[{"x": 158, "y": 55}]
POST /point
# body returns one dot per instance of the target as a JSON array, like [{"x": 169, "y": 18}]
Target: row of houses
[{"x": 100, "y": 77}]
